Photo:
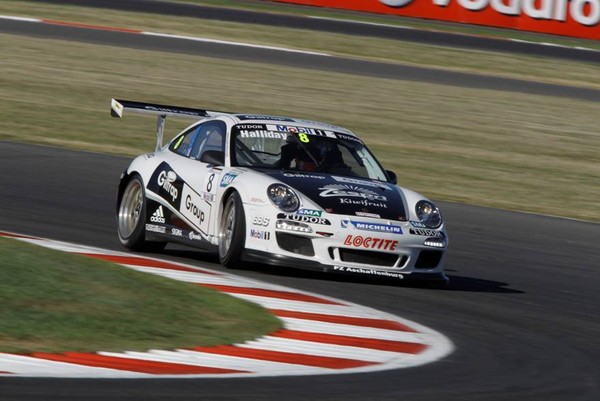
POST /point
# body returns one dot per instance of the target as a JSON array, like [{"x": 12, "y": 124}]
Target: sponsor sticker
[
  {"x": 251, "y": 126},
  {"x": 361, "y": 225},
  {"x": 289, "y": 128},
  {"x": 362, "y": 202},
  {"x": 257, "y": 234},
  {"x": 372, "y": 272},
  {"x": 158, "y": 216},
  {"x": 262, "y": 134},
  {"x": 155, "y": 229},
  {"x": 365, "y": 214},
  {"x": 195, "y": 208},
  {"x": 426, "y": 232},
  {"x": 417, "y": 224},
  {"x": 176, "y": 232},
  {"x": 347, "y": 137},
  {"x": 349, "y": 180},
  {"x": 309, "y": 212},
  {"x": 350, "y": 191},
  {"x": 304, "y": 219},
  {"x": 358, "y": 241},
  {"x": 262, "y": 117},
  {"x": 194, "y": 236},
  {"x": 261, "y": 221},
  {"x": 166, "y": 181},
  {"x": 227, "y": 179},
  {"x": 301, "y": 175}
]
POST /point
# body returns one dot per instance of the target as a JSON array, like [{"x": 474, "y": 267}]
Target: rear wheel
[
  {"x": 232, "y": 232},
  {"x": 131, "y": 218}
]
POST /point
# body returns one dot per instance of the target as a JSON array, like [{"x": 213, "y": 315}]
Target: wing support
[{"x": 118, "y": 107}]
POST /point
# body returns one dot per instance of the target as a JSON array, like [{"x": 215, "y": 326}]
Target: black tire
[
  {"x": 232, "y": 232},
  {"x": 131, "y": 218}
]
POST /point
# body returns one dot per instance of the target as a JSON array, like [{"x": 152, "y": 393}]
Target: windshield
[{"x": 302, "y": 149}]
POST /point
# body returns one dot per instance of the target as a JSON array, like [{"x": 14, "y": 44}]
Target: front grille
[
  {"x": 368, "y": 257},
  {"x": 428, "y": 259},
  {"x": 295, "y": 243}
]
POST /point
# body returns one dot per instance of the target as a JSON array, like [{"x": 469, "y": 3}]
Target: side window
[{"x": 197, "y": 140}]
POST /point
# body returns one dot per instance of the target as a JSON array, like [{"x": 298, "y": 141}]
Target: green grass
[{"x": 52, "y": 301}]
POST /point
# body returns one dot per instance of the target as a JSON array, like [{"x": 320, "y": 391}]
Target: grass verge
[{"x": 53, "y": 302}]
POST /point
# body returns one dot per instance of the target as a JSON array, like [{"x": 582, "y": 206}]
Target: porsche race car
[{"x": 277, "y": 190}]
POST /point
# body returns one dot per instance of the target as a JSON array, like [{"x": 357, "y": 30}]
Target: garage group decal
[
  {"x": 579, "y": 18},
  {"x": 167, "y": 184},
  {"x": 319, "y": 334}
]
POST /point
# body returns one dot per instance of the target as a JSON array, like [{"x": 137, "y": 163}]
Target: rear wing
[{"x": 118, "y": 106}]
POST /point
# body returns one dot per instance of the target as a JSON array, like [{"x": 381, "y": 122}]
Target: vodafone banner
[{"x": 579, "y": 18}]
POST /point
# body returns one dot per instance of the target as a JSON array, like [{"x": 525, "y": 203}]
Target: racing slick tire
[
  {"x": 232, "y": 232},
  {"x": 131, "y": 218}
]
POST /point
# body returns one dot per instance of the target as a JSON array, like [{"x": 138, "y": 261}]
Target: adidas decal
[{"x": 158, "y": 216}]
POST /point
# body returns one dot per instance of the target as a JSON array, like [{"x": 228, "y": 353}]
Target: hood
[{"x": 346, "y": 195}]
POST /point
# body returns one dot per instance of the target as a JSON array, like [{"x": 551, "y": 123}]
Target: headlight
[
  {"x": 283, "y": 197},
  {"x": 428, "y": 214}
]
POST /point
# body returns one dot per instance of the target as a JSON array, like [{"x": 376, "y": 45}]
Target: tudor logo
[{"x": 304, "y": 219}]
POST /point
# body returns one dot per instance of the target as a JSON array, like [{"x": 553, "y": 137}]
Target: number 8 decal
[
  {"x": 303, "y": 138},
  {"x": 209, "y": 185}
]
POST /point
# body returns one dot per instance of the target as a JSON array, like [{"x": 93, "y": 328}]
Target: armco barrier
[{"x": 578, "y": 18}]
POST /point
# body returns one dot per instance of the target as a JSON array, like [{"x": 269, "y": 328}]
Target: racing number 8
[
  {"x": 303, "y": 138},
  {"x": 209, "y": 185}
]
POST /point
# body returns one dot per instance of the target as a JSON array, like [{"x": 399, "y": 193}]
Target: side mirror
[
  {"x": 214, "y": 157},
  {"x": 393, "y": 176}
]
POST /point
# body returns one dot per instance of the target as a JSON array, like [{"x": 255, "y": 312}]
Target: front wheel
[
  {"x": 232, "y": 232},
  {"x": 131, "y": 218}
]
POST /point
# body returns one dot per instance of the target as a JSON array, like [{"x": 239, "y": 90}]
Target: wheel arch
[{"x": 123, "y": 180}]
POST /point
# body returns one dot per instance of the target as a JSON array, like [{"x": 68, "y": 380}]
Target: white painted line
[
  {"x": 362, "y": 22},
  {"x": 15, "y": 18},
  {"x": 322, "y": 349},
  {"x": 231, "y": 43},
  {"x": 312, "y": 326}
]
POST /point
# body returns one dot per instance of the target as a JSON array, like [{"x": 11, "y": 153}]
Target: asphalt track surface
[{"x": 522, "y": 307}]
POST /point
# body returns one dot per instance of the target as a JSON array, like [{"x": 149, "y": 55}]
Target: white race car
[{"x": 276, "y": 190}]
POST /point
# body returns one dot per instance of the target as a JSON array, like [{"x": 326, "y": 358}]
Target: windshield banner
[{"x": 578, "y": 18}]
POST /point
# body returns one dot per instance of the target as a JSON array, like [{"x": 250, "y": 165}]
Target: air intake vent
[
  {"x": 369, "y": 257},
  {"x": 428, "y": 259},
  {"x": 295, "y": 243}
]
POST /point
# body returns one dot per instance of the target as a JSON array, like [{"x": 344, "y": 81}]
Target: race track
[{"x": 521, "y": 309}]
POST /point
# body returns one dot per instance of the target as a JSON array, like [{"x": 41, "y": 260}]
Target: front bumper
[{"x": 251, "y": 255}]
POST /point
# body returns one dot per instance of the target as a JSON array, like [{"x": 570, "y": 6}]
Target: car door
[{"x": 199, "y": 178}]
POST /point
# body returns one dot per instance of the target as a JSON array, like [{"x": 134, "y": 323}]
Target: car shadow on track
[{"x": 457, "y": 283}]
